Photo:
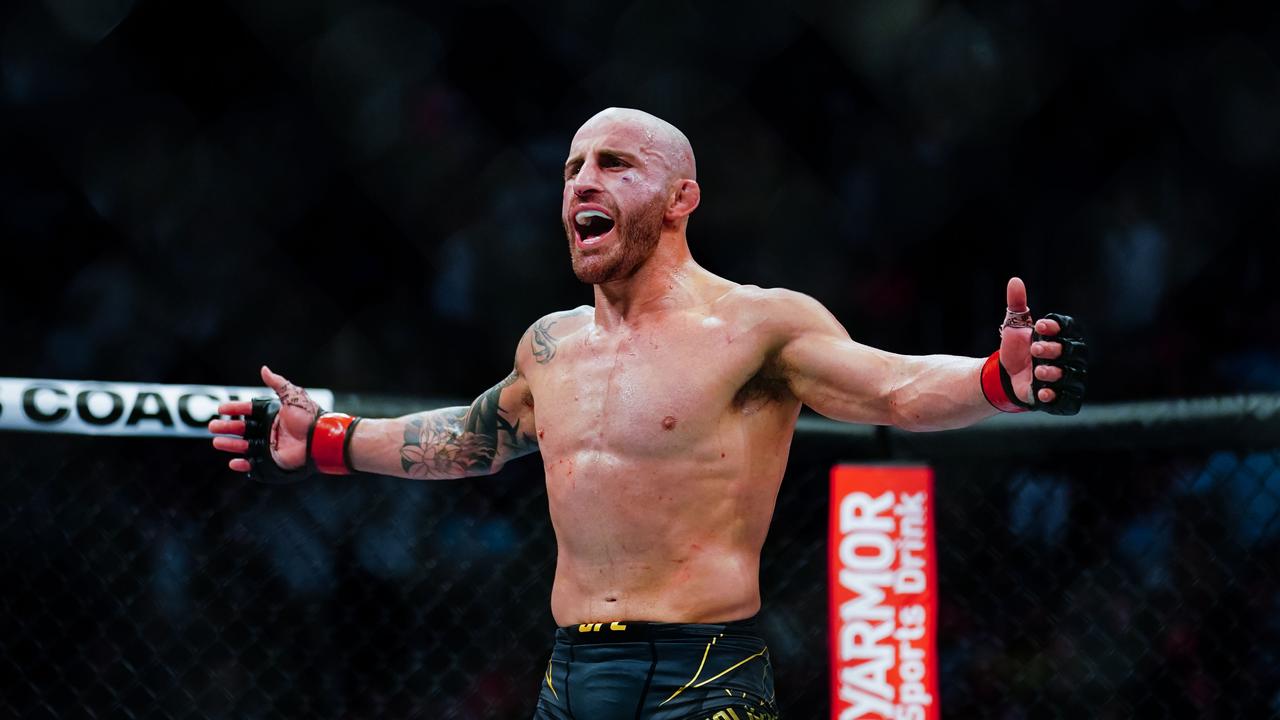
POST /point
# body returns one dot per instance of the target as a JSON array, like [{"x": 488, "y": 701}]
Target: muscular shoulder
[
  {"x": 777, "y": 314},
  {"x": 539, "y": 343}
]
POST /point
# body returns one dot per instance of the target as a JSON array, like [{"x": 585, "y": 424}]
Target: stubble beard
[{"x": 637, "y": 235}]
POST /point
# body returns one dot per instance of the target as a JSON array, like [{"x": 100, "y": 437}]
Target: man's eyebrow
[
  {"x": 620, "y": 154},
  {"x": 607, "y": 152}
]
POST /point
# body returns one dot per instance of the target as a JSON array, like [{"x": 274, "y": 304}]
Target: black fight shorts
[{"x": 658, "y": 671}]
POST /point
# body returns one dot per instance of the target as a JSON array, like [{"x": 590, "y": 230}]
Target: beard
[{"x": 636, "y": 236}]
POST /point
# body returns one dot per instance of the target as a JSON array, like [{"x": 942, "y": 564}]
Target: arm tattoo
[
  {"x": 456, "y": 442},
  {"x": 543, "y": 342},
  {"x": 432, "y": 446}
]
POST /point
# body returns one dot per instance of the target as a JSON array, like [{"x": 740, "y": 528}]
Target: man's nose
[{"x": 587, "y": 181}]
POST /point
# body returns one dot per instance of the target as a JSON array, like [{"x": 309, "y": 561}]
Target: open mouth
[{"x": 592, "y": 226}]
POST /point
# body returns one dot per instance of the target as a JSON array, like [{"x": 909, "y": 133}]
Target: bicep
[
  {"x": 500, "y": 421},
  {"x": 845, "y": 380},
  {"x": 825, "y": 368},
  {"x": 453, "y": 442},
  {"x": 838, "y": 377}
]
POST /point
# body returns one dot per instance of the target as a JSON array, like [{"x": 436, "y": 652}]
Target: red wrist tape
[
  {"x": 993, "y": 386},
  {"x": 329, "y": 439}
]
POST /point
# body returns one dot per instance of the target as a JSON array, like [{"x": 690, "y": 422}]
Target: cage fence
[{"x": 1120, "y": 564}]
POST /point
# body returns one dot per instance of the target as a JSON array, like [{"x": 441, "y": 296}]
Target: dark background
[{"x": 367, "y": 195}]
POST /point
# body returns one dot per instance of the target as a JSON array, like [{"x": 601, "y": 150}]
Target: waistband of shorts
[{"x": 621, "y": 631}]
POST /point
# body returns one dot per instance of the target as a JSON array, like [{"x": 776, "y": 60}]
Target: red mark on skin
[
  {"x": 668, "y": 422},
  {"x": 544, "y": 432},
  {"x": 721, "y": 454}
]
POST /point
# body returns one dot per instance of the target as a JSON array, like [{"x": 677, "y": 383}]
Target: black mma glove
[
  {"x": 997, "y": 385},
  {"x": 257, "y": 430}
]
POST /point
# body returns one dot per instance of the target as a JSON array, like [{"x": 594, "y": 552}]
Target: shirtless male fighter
[{"x": 664, "y": 414}]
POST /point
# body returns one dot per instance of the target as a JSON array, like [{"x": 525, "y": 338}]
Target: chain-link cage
[{"x": 141, "y": 579}]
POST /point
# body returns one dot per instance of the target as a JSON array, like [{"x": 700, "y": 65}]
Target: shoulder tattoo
[{"x": 543, "y": 342}]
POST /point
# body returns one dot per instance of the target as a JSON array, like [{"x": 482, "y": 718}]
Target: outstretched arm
[
  {"x": 451, "y": 442},
  {"x": 446, "y": 443},
  {"x": 848, "y": 381}
]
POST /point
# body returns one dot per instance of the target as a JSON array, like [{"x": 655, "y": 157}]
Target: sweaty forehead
[
  {"x": 616, "y": 135},
  {"x": 649, "y": 138}
]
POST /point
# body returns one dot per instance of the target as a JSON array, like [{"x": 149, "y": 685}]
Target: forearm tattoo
[{"x": 457, "y": 442}]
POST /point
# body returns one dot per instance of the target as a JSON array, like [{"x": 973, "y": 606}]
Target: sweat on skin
[{"x": 664, "y": 411}]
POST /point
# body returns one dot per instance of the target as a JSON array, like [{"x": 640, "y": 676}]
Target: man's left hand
[{"x": 1047, "y": 357}]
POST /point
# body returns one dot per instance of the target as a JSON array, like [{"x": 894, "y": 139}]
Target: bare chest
[{"x": 652, "y": 392}]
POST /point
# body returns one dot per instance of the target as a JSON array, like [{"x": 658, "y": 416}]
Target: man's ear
[{"x": 684, "y": 199}]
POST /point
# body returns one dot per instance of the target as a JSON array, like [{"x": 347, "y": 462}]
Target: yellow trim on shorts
[
  {"x": 695, "y": 675},
  {"x": 732, "y": 667},
  {"x": 553, "y": 687}
]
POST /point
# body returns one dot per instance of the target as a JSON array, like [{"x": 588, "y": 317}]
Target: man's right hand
[{"x": 288, "y": 433}]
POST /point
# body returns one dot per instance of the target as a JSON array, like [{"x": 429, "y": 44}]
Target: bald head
[
  {"x": 659, "y": 138},
  {"x": 629, "y": 187}
]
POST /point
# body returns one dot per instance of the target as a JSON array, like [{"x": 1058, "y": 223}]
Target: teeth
[{"x": 582, "y": 217}]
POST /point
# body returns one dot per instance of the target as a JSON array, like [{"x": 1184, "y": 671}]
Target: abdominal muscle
[{"x": 661, "y": 539}]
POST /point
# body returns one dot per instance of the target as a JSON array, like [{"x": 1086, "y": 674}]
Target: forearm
[
  {"x": 847, "y": 381},
  {"x": 451, "y": 442},
  {"x": 850, "y": 382},
  {"x": 425, "y": 445},
  {"x": 937, "y": 392}
]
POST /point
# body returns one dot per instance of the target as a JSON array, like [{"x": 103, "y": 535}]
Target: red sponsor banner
[{"x": 883, "y": 584}]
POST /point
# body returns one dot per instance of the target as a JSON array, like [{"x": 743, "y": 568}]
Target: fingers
[
  {"x": 274, "y": 381},
  {"x": 1016, "y": 295},
  {"x": 235, "y": 445},
  {"x": 226, "y": 427},
  {"x": 235, "y": 408},
  {"x": 229, "y": 432},
  {"x": 1063, "y": 348},
  {"x": 1046, "y": 350},
  {"x": 1047, "y": 326},
  {"x": 1061, "y": 360},
  {"x": 1067, "y": 325},
  {"x": 1048, "y": 373},
  {"x": 231, "y": 444}
]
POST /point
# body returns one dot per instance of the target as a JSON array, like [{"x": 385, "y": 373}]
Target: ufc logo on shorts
[{"x": 595, "y": 627}]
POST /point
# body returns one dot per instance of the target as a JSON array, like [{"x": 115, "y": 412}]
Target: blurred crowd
[
  {"x": 1140, "y": 583},
  {"x": 366, "y": 195},
  {"x": 141, "y": 578}
]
